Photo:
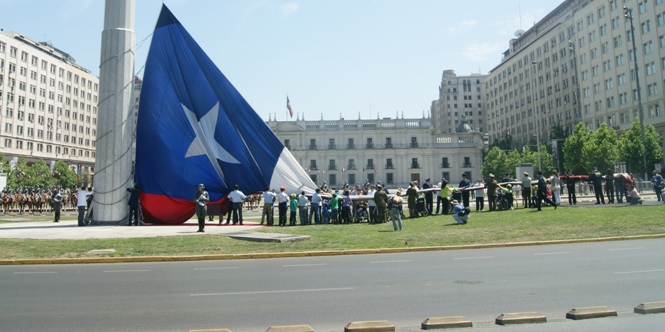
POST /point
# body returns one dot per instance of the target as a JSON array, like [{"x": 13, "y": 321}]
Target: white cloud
[
  {"x": 482, "y": 51},
  {"x": 467, "y": 24},
  {"x": 289, "y": 8}
]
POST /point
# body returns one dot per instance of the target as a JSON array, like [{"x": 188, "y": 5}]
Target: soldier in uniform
[
  {"x": 57, "y": 204},
  {"x": 201, "y": 199},
  {"x": 381, "y": 201}
]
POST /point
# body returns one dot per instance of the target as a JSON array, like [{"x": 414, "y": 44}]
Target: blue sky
[{"x": 333, "y": 58}]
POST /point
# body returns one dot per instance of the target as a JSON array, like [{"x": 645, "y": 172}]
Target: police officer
[
  {"x": 201, "y": 199},
  {"x": 57, "y": 204}
]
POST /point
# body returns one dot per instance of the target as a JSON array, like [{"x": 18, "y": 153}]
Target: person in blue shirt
[
  {"x": 465, "y": 183},
  {"x": 459, "y": 213},
  {"x": 134, "y": 204}
]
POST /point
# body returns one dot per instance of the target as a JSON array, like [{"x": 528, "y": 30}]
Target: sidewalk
[{"x": 22, "y": 227}]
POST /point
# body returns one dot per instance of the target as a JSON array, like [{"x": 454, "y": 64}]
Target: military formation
[{"x": 34, "y": 199}]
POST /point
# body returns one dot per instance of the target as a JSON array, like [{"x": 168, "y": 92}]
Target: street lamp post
[
  {"x": 536, "y": 113},
  {"x": 628, "y": 13}
]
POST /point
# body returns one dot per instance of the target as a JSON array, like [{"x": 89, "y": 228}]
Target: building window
[
  {"x": 389, "y": 163},
  {"x": 467, "y": 162},
  {"x": 332, "y": 179},
  {"x": 312, "y": 144},
  {"x": 312, "y": 165},
  {"x": 390, "y": 179},
  {"x": 414, "y": 163},
  {"x": 389, "y": 143},
  {"x": 331, "y": 144},
  {"x": 351, "y": 165},
  {"x": 370, "y": 143},
  {"x": 350, "y": 145},
  {"x": 331, "y": 165},
  {"x": 444, "y": 162},
  {"x": 414, "y": 142}
]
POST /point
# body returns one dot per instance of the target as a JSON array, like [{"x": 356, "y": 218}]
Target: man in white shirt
[
  {"x": 316, "y": 207},
  {"x": 372, "y": 205},
  {"x": 302, "y": 208},
  {"x": 268, "y": 200},
  {"x": 236, "y": 197},
  {"x": 283, "y": 201},
  {"x": 81, "y": 204}
]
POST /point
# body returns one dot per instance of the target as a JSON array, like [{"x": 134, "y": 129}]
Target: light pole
[
  {"x": 628, "y": 13},
  {"x": 535, "y": 109},
  {"x": 578, "y": 109}
]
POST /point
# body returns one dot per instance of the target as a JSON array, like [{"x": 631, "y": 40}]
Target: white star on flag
[{"x": 204, "y": 143}]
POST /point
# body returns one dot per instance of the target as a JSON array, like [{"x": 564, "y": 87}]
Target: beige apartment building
[
  {"x": 460, "y": 98},
  {"x": 577, "y": 65},
  {"x": 48, "y": 104}
]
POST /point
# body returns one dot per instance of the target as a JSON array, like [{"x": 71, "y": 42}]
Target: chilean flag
[
  {"x": 288, "y": 106},
  {"x": 194, "y": 127}
]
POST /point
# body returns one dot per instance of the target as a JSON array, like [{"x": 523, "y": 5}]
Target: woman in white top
[{"x": 555, "y": 187}]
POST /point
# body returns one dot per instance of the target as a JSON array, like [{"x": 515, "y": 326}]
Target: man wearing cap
[
  {"x": 381, "y": 201},
  {"x": 133, "y": 204},
  {"x": 429, "y": 197},
  {"x": 57, "y": 204},
  {"x": 526, "y": 190},
  {"x": 201, "y": 199},
  {"x": 465, "y": 183},
  {"x": 491, "y": 192}
]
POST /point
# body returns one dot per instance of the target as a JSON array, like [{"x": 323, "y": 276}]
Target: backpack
[
  {"x": 390, "y": 204},
  {"x": 464, "y": 212}
]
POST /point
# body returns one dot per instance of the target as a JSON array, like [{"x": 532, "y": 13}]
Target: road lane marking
[
  {"x": 552, "y": 253},
  {"x": 478, "y": 257},
  {"x": 275, "y": 292},
  {"x": 216, "y": 268},
  {"x": 642, "y": 271},
  {"x": 303, "y": 265},
  {"x": 37, "y": 272},
  {"x": 618, "y": 249},
  {"x": 114, "y": 271},
  {"x": 396, "y": 261}
]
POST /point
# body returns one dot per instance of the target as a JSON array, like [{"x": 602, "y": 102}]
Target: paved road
[{"x": 329, "y": 292}]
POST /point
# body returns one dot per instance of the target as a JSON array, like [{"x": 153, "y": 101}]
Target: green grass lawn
[{"x": 522, "y": 225}]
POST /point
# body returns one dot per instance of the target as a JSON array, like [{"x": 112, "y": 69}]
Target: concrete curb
[
  {"x": 590, "y": 312},
  {"x": 650, "y": 308},
  {"x": 370, "y": 326},
  {"x": 520, "y": 318},
  {"x": 450, "y": 322},
  {"x": 144, "y": 259}
]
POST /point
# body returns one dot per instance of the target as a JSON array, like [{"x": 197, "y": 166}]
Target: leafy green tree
[
  {"x": 4, "y": 164},
  {"x": 505, "y": 143},
  {"x": 632, "y": 150},
  {"x": 531, "y": 157},
  {"x": 573, "y": 150},
  {"x": 18, "y": 176},
  {"x": 494, "y": 162},
  {"x": 64, "y": 177},
  {"x": 558, "y": 132},
  {"x": 601, "y": 150}
]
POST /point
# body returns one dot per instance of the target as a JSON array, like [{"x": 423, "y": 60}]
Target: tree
[
  {"x": 505, "y": 143},
  {"x": 601, "y": 149},
  {"x": 632, "y": 150},
  {"x": 531, "y": 157},
  {"x": 18, "y": 176},
  {"x": 573, "y": 150},
  {"x": 4, "y": 165},
  {"x": 494, "y": 162},
  {"x": 64, "y": 177}
]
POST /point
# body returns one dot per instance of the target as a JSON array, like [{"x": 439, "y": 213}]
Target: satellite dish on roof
[{"x": 519, "y": 32}]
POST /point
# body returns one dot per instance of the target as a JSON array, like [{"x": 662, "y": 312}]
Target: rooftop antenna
[{"x": 519, "y": 8}]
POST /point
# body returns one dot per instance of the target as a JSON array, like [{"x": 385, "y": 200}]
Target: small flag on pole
[
  {"x": 343, "y": 170},
  {"x": 376, "y": 170},
  {"x": 288, "y": 106}
]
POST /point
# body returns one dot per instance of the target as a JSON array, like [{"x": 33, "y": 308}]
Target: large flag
[
  {"x": 288, "y": 106},
  {"x": 194, "y": 127}
]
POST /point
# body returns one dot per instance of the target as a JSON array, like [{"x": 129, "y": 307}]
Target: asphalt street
[{"x": 329, "y": 292}]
